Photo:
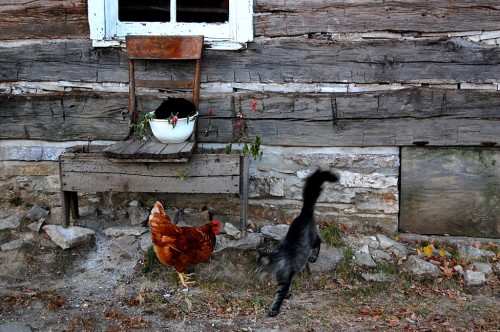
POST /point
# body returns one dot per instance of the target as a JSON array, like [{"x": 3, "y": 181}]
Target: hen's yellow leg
[{"x": 184, "y": 279}]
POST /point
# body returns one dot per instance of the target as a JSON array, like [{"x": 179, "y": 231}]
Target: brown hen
[{"x": 181, "y": 247}]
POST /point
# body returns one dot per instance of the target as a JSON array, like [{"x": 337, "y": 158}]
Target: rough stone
[
  {"x": 459, "y": 269},
  {"x": 248, "y": 242},
  {"x": 276, "y": 232},
  {"x": 232, "y": 231},
  {"x": 275, "y": 187},
  {"x": 12, "y": 245},
  {"x": 134, "y": 203},
  {"x": 37, "y": 212},
  {"x": 471, "y": 252},
  {"x": 381, "y": 255},
  {"x": 400, "y": 250},
  {"x": 125, "y": 246},
  {"x": 69, "y": 237},
  {"x": 329, "y": 257},
  {"x": 192, "y": 217},
  {"x": 145, "y": 241},
  {"x": 124, "y": 231},
  {"x": 482, "y": 267},
  {"x": 422, "y": 268},
  {"x": 11, "y": 222},
  {"x": 364, "y": 259},
  {"x": 137, "y": 215},
  {"x": 385, "y": 242},
  {"x": 373, "y": 180},
  {"x": 14, "y": 327},
  {"x": 365, "y": 249},
  {"x": 474, "y": 278},
  {"x": 46, "y": 243},
  {"x": 37, "y": 225}
]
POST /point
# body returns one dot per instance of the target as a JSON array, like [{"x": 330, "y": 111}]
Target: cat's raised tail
[{"x": 312, "y": 188}]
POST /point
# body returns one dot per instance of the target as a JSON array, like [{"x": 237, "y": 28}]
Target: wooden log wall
[
  {"x": 44, "y": 19},
  {"x": 422, "y": 112},
  {"x": 351, "y": 73}
]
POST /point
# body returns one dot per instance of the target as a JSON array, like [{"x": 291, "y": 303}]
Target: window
[{"x": 226, "y": 24}]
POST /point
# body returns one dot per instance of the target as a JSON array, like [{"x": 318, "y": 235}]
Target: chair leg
[
  {"x": 70, "y": 206},
  {"x": 75, "y": 213}
]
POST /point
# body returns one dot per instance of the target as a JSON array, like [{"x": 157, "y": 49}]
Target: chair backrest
[{"x": 163, "y": 48}]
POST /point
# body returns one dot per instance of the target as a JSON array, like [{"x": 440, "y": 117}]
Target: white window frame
[{"x": 106, "y": 30}]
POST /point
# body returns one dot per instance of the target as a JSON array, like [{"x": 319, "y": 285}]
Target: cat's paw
[{"x": 273, "y": 313}]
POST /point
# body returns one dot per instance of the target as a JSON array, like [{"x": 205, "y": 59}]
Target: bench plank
[{"x": 203, "y": 173}]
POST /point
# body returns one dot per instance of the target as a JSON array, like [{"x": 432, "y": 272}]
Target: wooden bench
[
  {"x": 149, "y": 166},
  {"x": 204, "y": 173}
]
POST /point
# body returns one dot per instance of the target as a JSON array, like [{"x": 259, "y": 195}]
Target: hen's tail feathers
[
  {"x": 312, "y": 188},
  {"x": 159, "y": 221}
]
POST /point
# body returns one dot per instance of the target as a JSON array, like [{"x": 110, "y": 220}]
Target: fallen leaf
[
  {"x": 446, "y": 271},
  {"x": 428, "y": 250}
]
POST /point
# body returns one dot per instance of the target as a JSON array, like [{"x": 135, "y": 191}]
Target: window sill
[{"x": 219, "y": 45}]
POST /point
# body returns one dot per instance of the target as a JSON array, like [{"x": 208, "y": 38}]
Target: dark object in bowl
[{"x": 184, "y": 107}]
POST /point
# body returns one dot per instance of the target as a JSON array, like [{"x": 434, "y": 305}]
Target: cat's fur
[
  {"x": 172, "y": 106},
  {"x": 300, "y": 245}
]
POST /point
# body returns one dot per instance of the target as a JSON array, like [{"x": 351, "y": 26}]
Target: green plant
[
  {"x": 182, "y": 175},
  {"x": 140, "y": 129},
  {"x": 249, "y": 148},
  {"x": 331, "y": 235},
  {"x": 253, "y": 148},
  {"x": 229, "y": 148},
  {"x": 343, "y": 269},
  {"x": 148, "y": 259}
]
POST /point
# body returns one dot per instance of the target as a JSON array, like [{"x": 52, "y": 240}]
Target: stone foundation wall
[
  {"x": 367, "y": 193},
  {"x": 366, "y": 196}
]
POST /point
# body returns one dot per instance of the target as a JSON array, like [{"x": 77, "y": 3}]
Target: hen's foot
[{"x": 185, "y": 280}]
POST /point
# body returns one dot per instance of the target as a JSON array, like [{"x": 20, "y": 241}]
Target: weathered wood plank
[
  {"x": 453, "y": 191},
  {"x": 293, "y": 18},
  {"x": 394, "y": 118},
  {"x": 204, "y": 174},
  {"x": 97, "y": 182},
  {"x": 200, "y": 165},
  {"x": 20, "y": 19},
  {"x": 68, "y": 19},
  {"x": 150, "y": 149},
  {"x": 376, "y": 132},
  {"x": 271, "y": 61},
  {"x": 418, "y": 103},
  {"x": 63, "y": 117}
]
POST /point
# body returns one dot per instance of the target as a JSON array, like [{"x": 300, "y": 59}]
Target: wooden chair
[
  {"x": 163, "y": 48},
  {"x": 172, "y": 48}
]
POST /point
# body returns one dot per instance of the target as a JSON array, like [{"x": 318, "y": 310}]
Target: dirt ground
[{"x": 91, "y": 288}]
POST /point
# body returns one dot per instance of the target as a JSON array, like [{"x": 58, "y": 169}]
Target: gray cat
[{"x": 300, "y": 245}]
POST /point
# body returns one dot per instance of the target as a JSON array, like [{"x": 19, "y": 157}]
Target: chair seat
[{"x": 150, "y": 150}]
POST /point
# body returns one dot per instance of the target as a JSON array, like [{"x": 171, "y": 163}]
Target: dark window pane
[
  {"x": 144, "y": 10},
  {"x": 210, "y": 11}
]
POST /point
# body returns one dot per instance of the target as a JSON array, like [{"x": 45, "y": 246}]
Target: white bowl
[{"x": 166, "y": 133}]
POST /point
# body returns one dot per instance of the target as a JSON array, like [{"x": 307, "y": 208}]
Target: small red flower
[
  {"x": 254, "y": 105},
  {"x": 210, "y": 112},
  {"x": 175, "y": 119}
]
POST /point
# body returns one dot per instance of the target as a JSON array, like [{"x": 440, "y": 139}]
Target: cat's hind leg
[{"x": 315, "y": 250}]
